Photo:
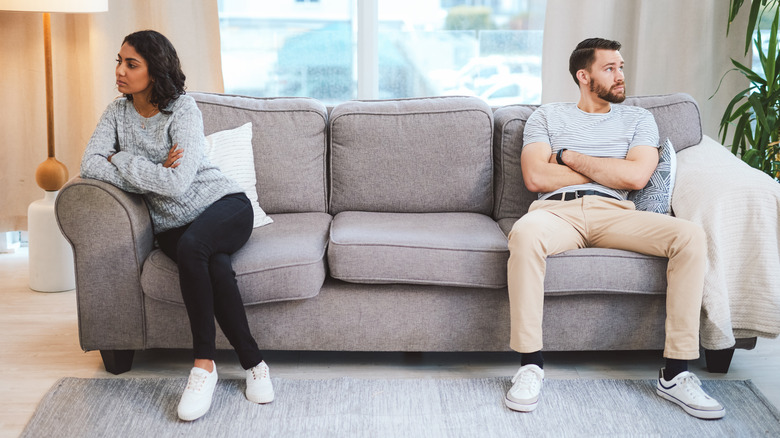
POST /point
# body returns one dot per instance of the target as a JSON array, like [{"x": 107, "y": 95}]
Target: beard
[{"x": 607, "y": 93}]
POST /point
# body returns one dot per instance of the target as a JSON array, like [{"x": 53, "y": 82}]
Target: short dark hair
[
  {"x": 163, "y": 64},
  {"x": 584, "y": 54}
]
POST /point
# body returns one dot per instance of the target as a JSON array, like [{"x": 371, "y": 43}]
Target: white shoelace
[
  {"x": 254, "y": 372},
  {"x": 692, "y": 386},
  {"x": 196, "y": 381},
  {"x": 527, "y": 377}
]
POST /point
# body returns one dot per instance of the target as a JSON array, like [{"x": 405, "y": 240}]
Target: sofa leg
[
  {"x": 117, "y": 361},
  {"x": 718, "y": 361}
]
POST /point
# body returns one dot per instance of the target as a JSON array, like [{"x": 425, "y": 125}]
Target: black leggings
[{"x": 202, "y": 251}]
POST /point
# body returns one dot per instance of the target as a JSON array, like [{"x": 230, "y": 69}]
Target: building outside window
[{"x": 486, "y": 48}]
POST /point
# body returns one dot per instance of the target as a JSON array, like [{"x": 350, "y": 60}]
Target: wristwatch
[{"x": 559, "y": 157}]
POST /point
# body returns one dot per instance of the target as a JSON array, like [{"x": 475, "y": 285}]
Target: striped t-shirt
[{"x": 607, "y": 135}]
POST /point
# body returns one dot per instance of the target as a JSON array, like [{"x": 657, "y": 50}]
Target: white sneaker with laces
[
  {"x": 524, "y": 394},
  {"x": 196, "y": 399},
  {"x": 685, "y": 390},
  {"x": 258, "y": 384}
]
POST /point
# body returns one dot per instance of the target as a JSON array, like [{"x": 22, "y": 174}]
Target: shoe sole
[
  {"x": 194, "y": 416},
  {"x": 519, "y": 407},
  {"x": 698, "y": 413}
]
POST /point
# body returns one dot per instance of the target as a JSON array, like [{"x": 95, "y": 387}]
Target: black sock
[
  {"x": 534, "y": 358},
  {"x": 674, "y": 367}
]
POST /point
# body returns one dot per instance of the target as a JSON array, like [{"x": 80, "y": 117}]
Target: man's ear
[{"x": 583, "y": 76}]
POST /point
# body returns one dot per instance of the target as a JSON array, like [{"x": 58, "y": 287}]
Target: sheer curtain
[
  {"x": 669, "y": 46},
  {"x": 84, "y": 48}
]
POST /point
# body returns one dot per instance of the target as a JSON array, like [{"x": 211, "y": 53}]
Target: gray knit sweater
[{"x": 175, "y": 196}]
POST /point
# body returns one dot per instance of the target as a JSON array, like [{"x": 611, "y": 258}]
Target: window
[{"x": 336, "y": 50}]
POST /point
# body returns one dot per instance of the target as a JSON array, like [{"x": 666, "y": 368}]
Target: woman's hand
[{"x": 173, "y": 157}]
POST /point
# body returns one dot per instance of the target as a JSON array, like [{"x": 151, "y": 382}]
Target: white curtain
[
  {"x": 669, "y": 46},
  {"x": 84, "y": 47}
]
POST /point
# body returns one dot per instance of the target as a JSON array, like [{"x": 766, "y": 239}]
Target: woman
[{"x": 151, "y": 142}]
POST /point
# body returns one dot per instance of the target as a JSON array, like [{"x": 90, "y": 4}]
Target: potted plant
[{"x": 755, "y": 111}]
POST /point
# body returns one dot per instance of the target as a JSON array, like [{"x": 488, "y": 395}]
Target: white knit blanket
[{"x": 738, "y": 207}]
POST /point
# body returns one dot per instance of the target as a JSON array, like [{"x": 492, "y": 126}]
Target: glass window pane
[
  {"x": 461, "y": 47},
  {"x": 289, "y": 48}
]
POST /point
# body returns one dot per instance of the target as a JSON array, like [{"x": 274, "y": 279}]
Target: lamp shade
[{"x": 54, "y": 5}]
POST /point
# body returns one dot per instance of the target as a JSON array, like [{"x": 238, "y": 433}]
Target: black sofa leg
[
  {"x": 718, "y": 361},
  {"x": 117, "y": 361}
]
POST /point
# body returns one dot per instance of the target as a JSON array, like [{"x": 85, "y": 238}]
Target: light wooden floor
[{"x": 39, "y": 345}]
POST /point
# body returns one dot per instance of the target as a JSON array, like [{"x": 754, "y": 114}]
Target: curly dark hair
[
  {"x": 584, "y": 54},
  {"x": 163, "y": 65}
]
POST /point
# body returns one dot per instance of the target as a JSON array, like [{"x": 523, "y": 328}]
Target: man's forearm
[
  {"x": 542, "y": 174},
  {"x": 611, "y": 172}
]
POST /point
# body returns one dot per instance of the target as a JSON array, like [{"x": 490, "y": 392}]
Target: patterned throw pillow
[
  {"x": 231, "y": 151},
  {"x": 657, "y": 194}
]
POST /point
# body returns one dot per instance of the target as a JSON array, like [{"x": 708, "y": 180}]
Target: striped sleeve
[
  {"x": 536, "y": 130},
  {"x": 646, "y": 132}
]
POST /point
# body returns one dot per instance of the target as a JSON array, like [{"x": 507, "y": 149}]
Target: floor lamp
[{"x": 50, "y": 256}]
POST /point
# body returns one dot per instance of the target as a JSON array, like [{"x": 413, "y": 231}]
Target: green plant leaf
[
  {"x": 750, "y": 74},
  {"x": 741, "y": 110},
  {"x": 758, "y": 110},
  {"x": 733, "y": 9},
  {"x": 771, "y": 57},
  {"x": 777, "y": 69},
  {"x": 751, "y": 24},
  {"x": 752, "y": 158},
  {"x": 739, "y": 134},
  {"x": 737, "y": 97},
  {"x": 729, "y": 117}
]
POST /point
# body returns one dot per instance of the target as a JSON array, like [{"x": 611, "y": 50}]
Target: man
[{"x": 583, "y": 159}]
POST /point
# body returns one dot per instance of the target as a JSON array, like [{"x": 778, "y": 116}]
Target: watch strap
[{"x": 559, "y": 157}]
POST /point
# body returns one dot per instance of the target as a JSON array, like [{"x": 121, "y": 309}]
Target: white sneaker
[
  {"x": 196, "y": 399},
  {"x": 524, "y": 394},
  {"x": 685, "y": 390},
  {"x": 258, "y": 384}
]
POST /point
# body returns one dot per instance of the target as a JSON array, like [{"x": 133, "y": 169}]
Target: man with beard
[{"x": 583, "y": 159}]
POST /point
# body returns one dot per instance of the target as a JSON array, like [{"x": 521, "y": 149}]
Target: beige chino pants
[{"x": 552, "y": 227}]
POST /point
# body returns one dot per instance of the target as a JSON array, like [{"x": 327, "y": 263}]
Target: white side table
[{"x": 51, "y": 257}]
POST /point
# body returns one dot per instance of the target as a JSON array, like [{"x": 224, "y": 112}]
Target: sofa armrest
[{"x": 111, "y": 234}]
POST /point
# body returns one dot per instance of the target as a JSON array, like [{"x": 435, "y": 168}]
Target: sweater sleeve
[
  {"x": 103, "y": 143},
  {"x": 186, "y": 131}
]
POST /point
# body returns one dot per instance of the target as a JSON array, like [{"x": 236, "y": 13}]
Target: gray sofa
[{"x": 389, "y": 234}]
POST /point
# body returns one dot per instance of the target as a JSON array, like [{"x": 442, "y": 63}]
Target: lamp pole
[{"x": 50, "y": 175}]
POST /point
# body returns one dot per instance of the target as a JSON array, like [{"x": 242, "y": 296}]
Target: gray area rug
[{"x": 349, "y": 407}]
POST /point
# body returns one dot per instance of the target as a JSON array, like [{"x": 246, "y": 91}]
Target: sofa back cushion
[
  {"x": 289, "y": 142},
  {"x": 412, "y": 156},
  {"x": 511, "y": 196},
  {"x": 677, "y": 117}
]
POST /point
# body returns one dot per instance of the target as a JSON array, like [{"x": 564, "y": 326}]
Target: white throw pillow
[
  {"x": 657, "y": 194},
  {"x": 231, "y": 151}
]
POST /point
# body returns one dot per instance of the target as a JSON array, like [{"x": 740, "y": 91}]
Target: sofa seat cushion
[
  {"x": 455, "y": 249},
  {"x": 601, "y": 270},
  {"x": 284, "y": 260},
  {"x": 604, "y": 270}
]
